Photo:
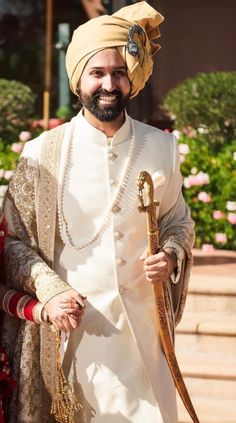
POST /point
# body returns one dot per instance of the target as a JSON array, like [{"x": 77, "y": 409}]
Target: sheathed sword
[{"x": 148, "y": 205}]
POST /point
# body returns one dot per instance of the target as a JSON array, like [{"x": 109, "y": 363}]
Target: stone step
[
  {"x": 210, "y": 291},
  {"x": 212, "y": 284},
  {"x": 212, "y": 302},
  {"x": 192, "y": 343},
  {"x": 210, "y": 410},
  {"x": 209, "y": 323},
  {"x": 217, "y": 366},
  {"x": 206, "y": 333},
  {"x": 205, "y": 339},
  {"x": 211, "y": 388},
  {"x": 212, "y": 374},
  {"x": 216, "y": 258}
]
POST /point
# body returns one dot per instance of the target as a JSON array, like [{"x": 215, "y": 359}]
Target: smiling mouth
[{"x": 107, "y": 99}]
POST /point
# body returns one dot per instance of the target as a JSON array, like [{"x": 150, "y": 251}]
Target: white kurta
[{"x": 114, "y": 358}]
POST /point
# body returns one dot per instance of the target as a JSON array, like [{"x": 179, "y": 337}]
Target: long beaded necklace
[{"x": 114, "y": 205}]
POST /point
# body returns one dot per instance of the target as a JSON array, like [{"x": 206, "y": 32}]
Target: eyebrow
[{"x": 123, "y": 67}]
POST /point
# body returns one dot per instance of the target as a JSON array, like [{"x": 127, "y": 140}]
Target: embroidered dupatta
[{"x": 30, "y": 209}]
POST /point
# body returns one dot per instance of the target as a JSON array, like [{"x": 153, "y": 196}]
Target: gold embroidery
[
  {"x": 22, "y": 192},
  {"x": 27, "y": 270},
  {"x": 19, "y": 259},
  {"x": 47, "y": 282},
  {"x": 47, "y": 192}
]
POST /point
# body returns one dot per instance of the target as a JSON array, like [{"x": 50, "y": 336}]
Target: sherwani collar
[{"x": 84, "y": 128}]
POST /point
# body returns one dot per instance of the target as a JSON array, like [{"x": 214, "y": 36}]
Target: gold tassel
[{"x": 64, "y": 404}]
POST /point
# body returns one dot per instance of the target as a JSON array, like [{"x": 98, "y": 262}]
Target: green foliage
[
  {"x": 8, "y": 159},
  {"x": 65, "y": 113},
  {"x": 208, "y": 102},
  {"x": 221, "y": 189},
  {"x": 203, "y": 111},
  {"x": 16, "y": 107}
]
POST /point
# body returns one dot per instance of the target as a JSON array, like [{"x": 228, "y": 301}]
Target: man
[{"x": 88, "y": 266}]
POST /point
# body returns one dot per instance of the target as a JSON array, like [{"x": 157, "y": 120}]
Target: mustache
[{"x": 100, "y": 91}]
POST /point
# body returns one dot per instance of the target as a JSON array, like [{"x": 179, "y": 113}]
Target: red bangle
[
  {"x": 28, "y": 310},
  {"x": 12, "y": 305},
  {"x": 19, "y": 305}
]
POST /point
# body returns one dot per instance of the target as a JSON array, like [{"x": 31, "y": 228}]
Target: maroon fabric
[
  {"x": 1, "y": 413},
  {"x": 3, "y": 234},
  {"x": 3, "y": 229},
  {"x": 7, "y": 383}
]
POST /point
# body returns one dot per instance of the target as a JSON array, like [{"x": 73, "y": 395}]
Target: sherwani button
[
  {"x": 2, "y": 233},
  {"x": 118, "y": 235},
  {"x": 112, "y": 156},
  {"x": 120, "y": 261},
  {"x": 113, "y": 181}
]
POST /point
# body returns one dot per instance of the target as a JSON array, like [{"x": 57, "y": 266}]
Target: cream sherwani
[
  {"x": 115, "y": 354},
  {"x": 114, "y": 360}
]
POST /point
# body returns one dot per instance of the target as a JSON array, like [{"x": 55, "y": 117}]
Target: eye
[
  {"x": 120, "y": 72},
  {"x": 96, "y": 73}
]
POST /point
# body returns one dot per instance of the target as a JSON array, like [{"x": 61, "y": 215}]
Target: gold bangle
[
  {"x": 40, "y": 315},
  {"x": 6, "y": 300}
]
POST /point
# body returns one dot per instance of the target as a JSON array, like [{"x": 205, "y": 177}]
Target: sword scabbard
[{"x": 144, "y": 180}]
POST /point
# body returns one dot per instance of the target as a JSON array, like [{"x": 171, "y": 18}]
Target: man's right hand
[{"x": 65, "y": 310}]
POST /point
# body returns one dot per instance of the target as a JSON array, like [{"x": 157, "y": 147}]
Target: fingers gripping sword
[{"x": 144, "y": 180}]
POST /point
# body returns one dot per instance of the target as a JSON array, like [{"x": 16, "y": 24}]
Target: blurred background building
[{"x": 197, "y": 35}]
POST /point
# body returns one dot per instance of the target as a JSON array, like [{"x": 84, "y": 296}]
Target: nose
[{"x": 108, "y": 83}]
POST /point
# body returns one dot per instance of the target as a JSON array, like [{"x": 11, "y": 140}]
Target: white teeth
[{"x": 110, "y": 98}]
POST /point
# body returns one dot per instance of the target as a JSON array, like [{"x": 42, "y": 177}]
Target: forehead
[{"x": 109, "y": 57}]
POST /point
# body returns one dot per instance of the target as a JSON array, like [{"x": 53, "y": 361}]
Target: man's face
[{"x": 104, "y": 87}]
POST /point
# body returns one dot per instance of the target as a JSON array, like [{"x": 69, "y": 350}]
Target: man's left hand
[{"x": 160, "y": 266}]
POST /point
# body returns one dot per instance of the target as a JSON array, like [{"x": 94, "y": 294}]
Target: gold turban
[{"x": 132, "y": 30}]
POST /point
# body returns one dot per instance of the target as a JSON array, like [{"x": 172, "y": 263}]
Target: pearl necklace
[{"x": 114, "y": 205}]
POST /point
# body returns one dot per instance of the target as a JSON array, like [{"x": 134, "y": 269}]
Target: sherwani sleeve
[
  {"x": 25, "y": 267},
  {"x": 176, "y": 230}
]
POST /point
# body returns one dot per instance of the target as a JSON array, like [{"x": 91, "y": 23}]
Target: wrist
[
  {"x": 172, "y": 256},
  {"x": 40, "y": 314}
]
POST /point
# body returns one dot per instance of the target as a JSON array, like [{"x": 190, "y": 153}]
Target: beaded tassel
[{"x": 64, "y": 403}]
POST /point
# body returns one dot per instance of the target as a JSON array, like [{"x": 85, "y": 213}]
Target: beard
[{"x": 104, "y": 113}]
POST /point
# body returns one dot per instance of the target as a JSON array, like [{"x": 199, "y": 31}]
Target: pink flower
[
  {"x": 196, "y": 180},
  {"x": 202, "y": 178},
  {"x": 24, "y": 136},
  {"x": 190, "y": 132},
  {"x": 232, "y": 218},
  {"x": 194, "y": 171},
  {"x": 184, "y": 149},
  {"x": 166, "y": 130},
  {"x": 181, "y": 158},
  {"x": 188, "y": 181},
  {"x": 177, "y": 134},
  {"x": 218, "y": 214},
  {"x": 8, "y": 174},
  {"x": 53, "y": 122},
  {"x": 207, "y": 248},
  {"x": 17, "y": 147},
  {"x": 231, "y": 205},
  {"x": 221, "y": 237},
  {"x": 204, "y": 197}
]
